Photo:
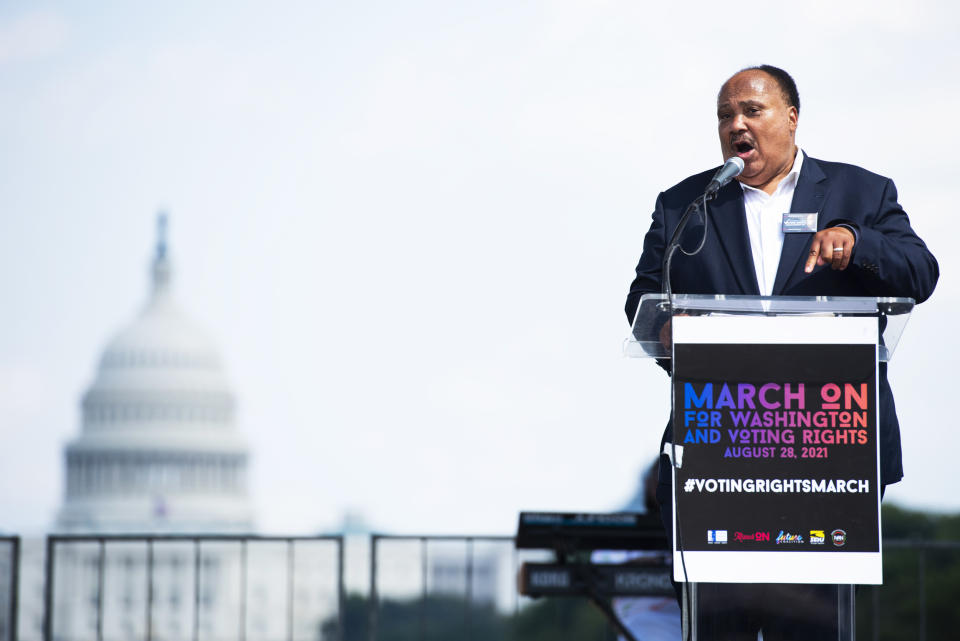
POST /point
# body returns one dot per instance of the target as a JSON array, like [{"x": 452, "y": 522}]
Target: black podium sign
[{"x": 776, "y": 419}]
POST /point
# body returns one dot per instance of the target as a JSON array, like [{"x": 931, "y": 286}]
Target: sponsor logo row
[{"x": 816, "y": 537}]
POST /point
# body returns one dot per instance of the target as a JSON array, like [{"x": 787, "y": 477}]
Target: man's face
[{"x": 756, "y": 123}]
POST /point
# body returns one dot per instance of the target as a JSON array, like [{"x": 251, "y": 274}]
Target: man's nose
[{"x": 739, "y": 123}]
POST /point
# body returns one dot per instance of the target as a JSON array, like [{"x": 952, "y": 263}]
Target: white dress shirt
[{"x": 765, "y": 224}]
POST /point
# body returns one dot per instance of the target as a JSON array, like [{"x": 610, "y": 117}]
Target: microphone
[
  {"x": 725, "y": 174},
  {"x": 730, "y": 170}
]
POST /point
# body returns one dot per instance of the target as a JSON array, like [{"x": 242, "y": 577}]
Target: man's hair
[{"x": 787, "y": 86}]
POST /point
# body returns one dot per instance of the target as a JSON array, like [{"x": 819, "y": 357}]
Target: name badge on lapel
[{"x": 799, "y": 223}]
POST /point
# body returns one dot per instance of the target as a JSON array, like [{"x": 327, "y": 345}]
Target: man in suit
[{"x": 863, "y": 246}]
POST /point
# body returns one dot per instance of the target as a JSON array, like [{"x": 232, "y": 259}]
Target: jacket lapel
[
  {"x": 731, "y": 229},
  {"x": 807, "y": 197}
]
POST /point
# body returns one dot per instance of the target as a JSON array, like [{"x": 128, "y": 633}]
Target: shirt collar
[{"x": 790, "y": 180}]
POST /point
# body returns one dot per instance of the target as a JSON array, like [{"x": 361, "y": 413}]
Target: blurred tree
[
  {"x": 920, "y": 586},
  {"x": 441, "y": 618}
]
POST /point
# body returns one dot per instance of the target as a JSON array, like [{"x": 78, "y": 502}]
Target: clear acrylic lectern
[{"x": 774, "y": 454}]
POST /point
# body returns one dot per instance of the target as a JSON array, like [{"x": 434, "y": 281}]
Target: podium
[{"x": 774, "y": 454}]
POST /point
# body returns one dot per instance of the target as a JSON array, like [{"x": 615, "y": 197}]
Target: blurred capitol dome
[{"x": 157, "y": 451}]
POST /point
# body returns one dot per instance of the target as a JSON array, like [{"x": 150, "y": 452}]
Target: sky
[{"x": 411, "y": 227}]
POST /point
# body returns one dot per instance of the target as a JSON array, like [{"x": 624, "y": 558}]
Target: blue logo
[
  {"x": 717, "y": 536},
  {"x": 785, "y": 537}
]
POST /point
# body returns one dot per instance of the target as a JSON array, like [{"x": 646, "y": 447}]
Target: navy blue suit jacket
[{"x": 889, "y": 259}]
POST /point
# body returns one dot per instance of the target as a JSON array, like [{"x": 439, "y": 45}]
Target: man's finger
[
  {"x": 836, "y": 256},
  {"x": 847, "y": 254},
  {"x": 814, "y": 254}
]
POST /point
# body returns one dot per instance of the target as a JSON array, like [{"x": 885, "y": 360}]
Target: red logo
[
  {"x": 839, "y": 537},
  {"x": 755, "y": 536}
]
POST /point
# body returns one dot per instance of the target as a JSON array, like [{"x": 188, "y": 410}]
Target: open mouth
[{"x": 743, "y": 148}]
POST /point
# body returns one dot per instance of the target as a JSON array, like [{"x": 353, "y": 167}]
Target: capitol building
[
  {"x": 157, "y": 451},
  {"x": 158, "y": 459}
]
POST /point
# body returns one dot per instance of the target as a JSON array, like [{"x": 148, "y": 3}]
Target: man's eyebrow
[{"x": 740, "y": 103}]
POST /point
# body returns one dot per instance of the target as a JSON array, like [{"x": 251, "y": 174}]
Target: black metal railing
[
  {"x": 438, "y": 587},
  {"x": 94, "y": 585},
  {"x": 429, "y": 586},
  {"x": 9, "y": 586},
  {"x": 416, "y": 582}
]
